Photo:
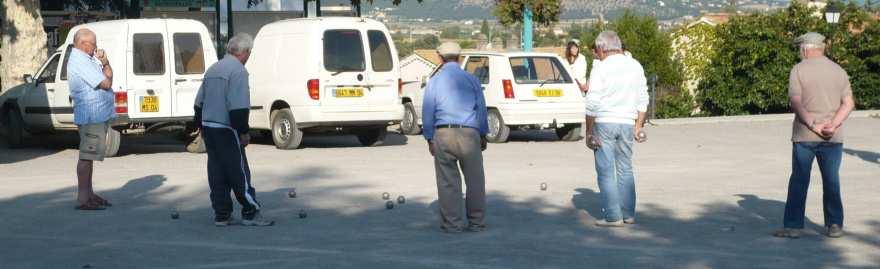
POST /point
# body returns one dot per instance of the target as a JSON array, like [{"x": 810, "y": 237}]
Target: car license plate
[
  {"x": 548, "y": 93},
  {"x": 149, "y": 104},
  {"x": 348, "y": 92}
]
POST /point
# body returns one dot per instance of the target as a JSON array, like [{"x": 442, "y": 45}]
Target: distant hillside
[{"x": 572, "y": 9}]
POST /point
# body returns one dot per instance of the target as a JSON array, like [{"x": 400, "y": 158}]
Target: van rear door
[
  {"x": 191, "y": 54},
  {"x": 149, "y": 91},
  {"x": 344, "y": 82},
  {"x": 383, "y": 82}
]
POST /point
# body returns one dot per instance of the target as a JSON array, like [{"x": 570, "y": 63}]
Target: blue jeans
[
  {"x": 828, "y": 156},
  {"x": 614, "y": 167}
]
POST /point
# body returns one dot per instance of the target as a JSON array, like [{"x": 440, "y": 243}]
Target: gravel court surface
[{"x": 708, "y": 194}]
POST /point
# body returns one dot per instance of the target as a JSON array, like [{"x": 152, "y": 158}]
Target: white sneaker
[
  {"x": 257, "y": 221},
  {"x": 604, "y": 223}
]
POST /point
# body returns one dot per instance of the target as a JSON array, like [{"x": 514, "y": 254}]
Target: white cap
[
  {"x": 449, "y": 49},
  {"x": 811, "y": 38}
]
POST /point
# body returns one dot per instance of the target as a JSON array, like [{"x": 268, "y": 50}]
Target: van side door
[
  {"x": 149, "y": 91},
  {"x": 191, "y": 55}
]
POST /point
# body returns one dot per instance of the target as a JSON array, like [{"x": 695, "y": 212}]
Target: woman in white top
[{"x": 577, "y": 64}]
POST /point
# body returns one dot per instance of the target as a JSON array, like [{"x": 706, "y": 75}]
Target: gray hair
[
  {"x": 239, "y": 43},
  {"x": 608, "y": 41}
]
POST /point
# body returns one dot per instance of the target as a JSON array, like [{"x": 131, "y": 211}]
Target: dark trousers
[
  {"x": 457, "y": 151},
  {"x": 829, "y": 156},
  {"x": 228, "y": 171}
]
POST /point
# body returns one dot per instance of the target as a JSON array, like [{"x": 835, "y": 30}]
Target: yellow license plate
[
  {"x": 348, "y": 92},
  {"x": 149, "y": 104},
  {"x": 548, "y": 93}
]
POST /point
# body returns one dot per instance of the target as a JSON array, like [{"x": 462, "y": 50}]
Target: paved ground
[{"x": 709, "y": 196}]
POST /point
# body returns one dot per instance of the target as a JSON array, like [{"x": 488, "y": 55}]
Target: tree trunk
[{"x": 23, "y": 44}]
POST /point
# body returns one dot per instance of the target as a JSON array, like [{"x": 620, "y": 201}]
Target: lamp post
[
  {"x": 832, "y": 17},
  {"x": 832, "y": 14}
]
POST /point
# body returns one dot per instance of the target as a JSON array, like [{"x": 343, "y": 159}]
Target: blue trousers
[{"x": 829, "y": 157}]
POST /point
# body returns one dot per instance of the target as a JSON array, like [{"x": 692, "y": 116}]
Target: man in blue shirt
[
  {"x": 91, "y": 81},
  {"x": 455, "y": 125}
]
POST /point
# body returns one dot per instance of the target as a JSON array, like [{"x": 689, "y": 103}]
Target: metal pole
[
  {"x": 527, "y": 29},
  {"x": 318, "y": 8},
  {"x": 217, "y": 29},
  {"x": 305, "y": 8},
  {"x": 229, "y": 30}
]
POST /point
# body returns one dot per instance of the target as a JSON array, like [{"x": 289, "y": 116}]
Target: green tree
[
  {"x": 754, "y": 55},
  {"x": 452, "y": 32},
  {"x": 485, "y": 30},
  {"x": 510, "y": 12},
  {"x": 693, "y": 48},
  {"x": 653, "y": 48}
]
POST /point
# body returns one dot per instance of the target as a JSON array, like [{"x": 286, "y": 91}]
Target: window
[
  {"x": 149, "y": 58},
  {"x": 48, "y": 75},
  {"x": 479, "y": 67},
  {"x": 380, "y": 52},
  {"x": 189, "y": 58},
  {"x": 343, "y": 51},
  {"x": 538, "y": 70},
  {"x": 64, "y": 65}
]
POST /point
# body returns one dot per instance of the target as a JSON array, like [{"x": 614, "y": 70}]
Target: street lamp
[{"x": 832, "y": 14}]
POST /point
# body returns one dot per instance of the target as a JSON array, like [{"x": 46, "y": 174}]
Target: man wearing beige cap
[
  {"x": 821, "y": 98},
  {"x": 454, "y": 120}
]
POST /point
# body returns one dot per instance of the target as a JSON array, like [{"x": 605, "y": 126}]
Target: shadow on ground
[
  {"x": 337, "y": 140},
  {"x": 345, "y": 229},
  {"x": 868, "y": 156}
]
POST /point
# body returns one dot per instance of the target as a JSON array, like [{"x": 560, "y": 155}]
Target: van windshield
[
  {"x": 538, "y": 70},
  {"x": 343, "y": 51}
]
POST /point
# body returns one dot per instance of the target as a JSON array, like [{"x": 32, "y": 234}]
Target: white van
[
  {"x": 328, "y": 74},
  {"x": 523, "y": 90},
  {"x": 158, "y": 65}
]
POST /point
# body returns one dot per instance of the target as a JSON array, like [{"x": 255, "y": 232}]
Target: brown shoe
[
  {"x": 834, "y": 231},
  {"x": 788, "y": 233}
]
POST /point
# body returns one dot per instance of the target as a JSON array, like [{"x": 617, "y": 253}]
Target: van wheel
[
  {"x": 372, "y": 137},
  {"x": 285, "y": 134},
  {"x": 14, "y": 128},
  {"x": 114, "y": 140},
  {"x": 197, "y": 145},
  {"x": 570, "y": 132},
  {"x": 498, "y": 132},
  {"x": 410, "y": 123}
]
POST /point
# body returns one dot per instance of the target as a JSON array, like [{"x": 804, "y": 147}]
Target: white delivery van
[
  {"x": 523, "y": 90},
  {"x": 329, "y": 74},
  {"x": 158, "y": 65}
]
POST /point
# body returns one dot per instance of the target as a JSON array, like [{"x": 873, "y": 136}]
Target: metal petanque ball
[
  {"x": 386, "y": 196},
  {"x": 292, "y": 194},
  {"x": 302, "y": 214},
  {"x": 175, "y": 214},
  {"x": 543, "y": 186},
  {"x": 389, "y": 205},
  {"x": 401, "y": 199},
  {"x": 643, "y": 136}
]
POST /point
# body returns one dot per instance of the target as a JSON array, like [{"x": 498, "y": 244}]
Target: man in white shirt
[{"x": 616, "y": 107}]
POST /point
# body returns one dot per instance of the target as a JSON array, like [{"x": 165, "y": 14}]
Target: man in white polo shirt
[{"x": 616, "y": 107}]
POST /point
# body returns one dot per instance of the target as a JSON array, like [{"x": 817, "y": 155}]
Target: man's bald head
[{"x": 85, "y": 40}]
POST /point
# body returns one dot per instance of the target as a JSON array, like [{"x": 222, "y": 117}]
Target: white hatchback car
[{"x": 523, "y": 90}]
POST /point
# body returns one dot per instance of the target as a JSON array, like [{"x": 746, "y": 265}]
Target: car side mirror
[{"x": 28, "y": 78}]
